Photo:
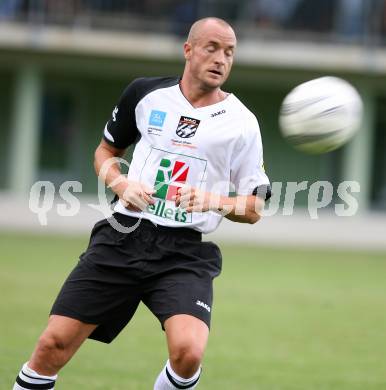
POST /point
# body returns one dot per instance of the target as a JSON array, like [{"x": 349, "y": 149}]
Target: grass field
[{"x": 282, "y": 320}]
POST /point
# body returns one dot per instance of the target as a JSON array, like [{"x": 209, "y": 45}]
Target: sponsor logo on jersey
[
  {"x": 173, "y": 171},
  {"x": 157, "y": 118},
  {"x": 187, "y": 127},
  {"x": 217, "y": 113},
  {"x": 171, "y": 175},
  {"x": 204, "y": 305}
]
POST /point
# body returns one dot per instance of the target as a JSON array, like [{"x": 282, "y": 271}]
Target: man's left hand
[{"x": 192, "y": 199}]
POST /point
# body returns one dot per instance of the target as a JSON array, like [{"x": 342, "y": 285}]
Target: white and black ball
[{"x": 321, "y": 115}]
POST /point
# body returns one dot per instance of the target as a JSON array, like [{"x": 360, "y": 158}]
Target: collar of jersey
[{"x": 203, "y": 107}]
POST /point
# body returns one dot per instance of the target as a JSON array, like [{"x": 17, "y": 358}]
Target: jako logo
[
  {"x": 114, "y": 113},
  {"x": 217, "y": 113},
  {"x": 204, "y": 305}
]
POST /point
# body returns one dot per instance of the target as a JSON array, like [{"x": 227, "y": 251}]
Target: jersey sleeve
[
  {"x": 247, "y": 166},
  {"x": 121, "y": 130}
]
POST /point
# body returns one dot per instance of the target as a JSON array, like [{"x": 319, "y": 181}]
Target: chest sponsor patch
[
  {"x": 187, "y": 127},
  {"x": 173, "y": 171},
  {"x": 157, "y": 118}
]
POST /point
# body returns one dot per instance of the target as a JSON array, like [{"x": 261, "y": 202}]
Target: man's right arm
[
  {"x": 135, "y": 196},
  {"x": 119, "y": 133}
]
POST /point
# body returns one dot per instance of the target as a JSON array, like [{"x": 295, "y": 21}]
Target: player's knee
[
  {"x": 48, "y": 343},
  {"x": 186, "y": 357},
  {"x": 51, "y": 345}
]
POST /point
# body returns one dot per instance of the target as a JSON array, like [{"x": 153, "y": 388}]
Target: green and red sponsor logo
[{"x": 171, "y": 175}]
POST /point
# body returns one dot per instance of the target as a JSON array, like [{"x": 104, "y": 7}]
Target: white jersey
[{"x": 216, "y": 148}]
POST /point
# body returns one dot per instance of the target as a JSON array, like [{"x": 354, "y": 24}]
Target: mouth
[{"x": 215, "y": 72}]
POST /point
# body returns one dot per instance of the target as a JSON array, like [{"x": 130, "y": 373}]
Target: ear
[{"x": 187, "y": 50}]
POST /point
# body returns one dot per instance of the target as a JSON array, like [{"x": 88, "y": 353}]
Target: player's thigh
[
  {"x": 186, "y": 335},
  {"x": 58, "y": 343},
  {"x": 66, "y": 333},
  {"x": 71, "y": 332}
]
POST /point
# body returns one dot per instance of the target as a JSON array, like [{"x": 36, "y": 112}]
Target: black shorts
[{"x": 169, "y": 269}]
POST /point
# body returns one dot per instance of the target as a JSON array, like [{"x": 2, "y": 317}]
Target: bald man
[{"x": 193, "y": 141}]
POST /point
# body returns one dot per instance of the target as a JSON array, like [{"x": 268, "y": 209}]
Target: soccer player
[{"x": 192, "y": 140}]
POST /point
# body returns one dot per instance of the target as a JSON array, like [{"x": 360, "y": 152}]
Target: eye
[
  {"x": 229, "y": 53},
  {"x": 210, "y": 49}
]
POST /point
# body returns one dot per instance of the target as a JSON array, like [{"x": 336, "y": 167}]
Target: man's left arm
[{"x": 241, "y": 208}]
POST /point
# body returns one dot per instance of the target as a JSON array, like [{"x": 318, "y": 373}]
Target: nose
[{"x": 220, "y": 58}]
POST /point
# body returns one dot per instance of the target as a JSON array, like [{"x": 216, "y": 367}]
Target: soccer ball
[{"x": 321, "y": 115}]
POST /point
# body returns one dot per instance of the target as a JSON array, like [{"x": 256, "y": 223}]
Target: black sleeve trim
[
  {"x": 263, "y": 191},
  {"x": 121, "y": 130},
  {"x": 114, "y": 143}
]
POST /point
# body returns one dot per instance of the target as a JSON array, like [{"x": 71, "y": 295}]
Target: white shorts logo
[{"x": 204, "y": 305}]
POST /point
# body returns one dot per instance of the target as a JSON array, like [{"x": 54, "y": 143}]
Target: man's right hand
[{"x": 134, "y": 195}]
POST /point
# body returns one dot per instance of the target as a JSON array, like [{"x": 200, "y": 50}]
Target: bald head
[
  {"x": 201, "y": 26},
  {"x": 209, "y": 52}
]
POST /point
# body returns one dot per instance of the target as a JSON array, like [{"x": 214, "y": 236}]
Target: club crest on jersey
[{"x": 187, "y": 127}]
